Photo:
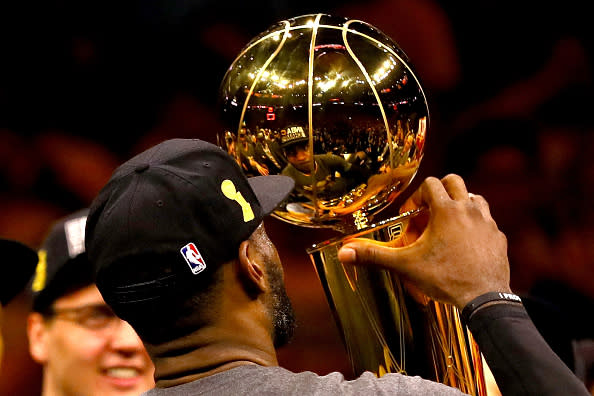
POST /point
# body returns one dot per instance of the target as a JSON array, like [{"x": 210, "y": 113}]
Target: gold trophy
[{"x": 335, "y": 104}]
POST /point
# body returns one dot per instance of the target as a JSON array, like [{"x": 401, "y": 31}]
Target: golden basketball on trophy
[{"x": 336, "y": 104}]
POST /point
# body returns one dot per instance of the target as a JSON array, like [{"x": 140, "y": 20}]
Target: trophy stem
[{"x": 388, "y": 325}]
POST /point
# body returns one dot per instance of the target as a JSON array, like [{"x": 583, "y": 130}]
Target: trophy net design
[{"x": 335, "y": 104}]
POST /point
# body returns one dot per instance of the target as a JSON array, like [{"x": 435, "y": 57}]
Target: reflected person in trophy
[
  {"x": 332, "y": 175},
  {"x": 246, "y": 152},
  {"x": 265, "y": 154}
]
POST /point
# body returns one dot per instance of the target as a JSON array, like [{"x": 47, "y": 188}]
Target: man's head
[
  {"x": 166, "y": 232},
  {"x": 83, "y": 347},
  {"x": 242, "y": 134},
  {"x": 299, "y": 156},
  {"x": 18, "y": 263},
  {"x": 295, "y": 144}
]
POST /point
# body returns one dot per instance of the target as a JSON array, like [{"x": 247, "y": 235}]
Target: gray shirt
[{"x": 262, "y": 381}]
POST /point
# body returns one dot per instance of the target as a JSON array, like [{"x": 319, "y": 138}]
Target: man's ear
[
  {"x": 252, "y": 269},
  {"x": 37, "y": 332}
]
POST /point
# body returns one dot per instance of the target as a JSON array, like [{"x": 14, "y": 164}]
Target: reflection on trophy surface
[
  {"x": 335, "y": 104},
  {"x": 388, "y": 325}
]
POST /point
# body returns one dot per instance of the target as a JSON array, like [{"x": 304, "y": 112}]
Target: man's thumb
[{"x": 373, "y": 253}]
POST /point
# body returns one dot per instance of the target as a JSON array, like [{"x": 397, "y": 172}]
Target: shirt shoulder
[{"x": 263, "y": 381}]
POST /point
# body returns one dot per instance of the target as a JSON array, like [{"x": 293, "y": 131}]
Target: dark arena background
[{"x": 86, "y": 85}]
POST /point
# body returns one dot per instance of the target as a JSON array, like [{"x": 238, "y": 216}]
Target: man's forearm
[{"x": 521, "y": 360}]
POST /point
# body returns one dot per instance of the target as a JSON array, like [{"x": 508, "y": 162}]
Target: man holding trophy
[
  {"x": 180, "y": 251},
  {"x": 205, "y": 292}
]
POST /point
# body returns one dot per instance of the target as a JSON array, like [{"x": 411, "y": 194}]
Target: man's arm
[
  {"x": 519, "y": 357},
  {"x": 459, "y": 256}
]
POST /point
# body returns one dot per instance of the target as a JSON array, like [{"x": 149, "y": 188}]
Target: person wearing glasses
[{"x": 83, "y": 347}]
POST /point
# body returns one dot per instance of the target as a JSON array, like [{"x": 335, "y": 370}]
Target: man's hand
[{"x": 459, "y": 253}]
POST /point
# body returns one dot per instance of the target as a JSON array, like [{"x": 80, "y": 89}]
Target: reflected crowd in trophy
[
  {"x": 366, "y": 146},
  {"x": 505, "y": 103},
  {"x": 345, "y": 160}
]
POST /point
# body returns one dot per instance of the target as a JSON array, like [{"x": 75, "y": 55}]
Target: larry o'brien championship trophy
[{"x": 335, "y": 104}]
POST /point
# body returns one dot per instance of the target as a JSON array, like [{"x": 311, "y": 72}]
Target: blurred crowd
[{"x": 510, "y": 86}]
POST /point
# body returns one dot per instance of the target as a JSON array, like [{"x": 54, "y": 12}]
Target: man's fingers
[
  {"x": 455, "y": 187},
  {"x": 433, "y": 191},
  {"x": 429, "y": 193}
]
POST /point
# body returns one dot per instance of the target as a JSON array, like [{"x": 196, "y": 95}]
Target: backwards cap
[{"x": 183, "y": 196}]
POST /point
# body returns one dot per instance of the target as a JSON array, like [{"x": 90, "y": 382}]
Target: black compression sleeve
[{"x": 519, "y": 357}]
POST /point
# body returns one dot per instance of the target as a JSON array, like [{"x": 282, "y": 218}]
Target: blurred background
[{"x": 86, "y": 85}]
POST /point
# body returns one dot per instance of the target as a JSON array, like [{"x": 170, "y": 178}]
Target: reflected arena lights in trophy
[{"x": 333, "y": 103}]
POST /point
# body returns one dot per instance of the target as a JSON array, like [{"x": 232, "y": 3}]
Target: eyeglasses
[{"x": 93, "y": 317}]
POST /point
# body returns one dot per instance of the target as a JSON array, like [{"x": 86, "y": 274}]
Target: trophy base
[{"x": 390, "y": 327}]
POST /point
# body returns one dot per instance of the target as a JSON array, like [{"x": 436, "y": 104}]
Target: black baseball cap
[
  {"x": 63, "y": 266},
  {"x": 184, "y": 197},
  {"x": 292, "y": 135},
  {"x": 18, "y": 263}
]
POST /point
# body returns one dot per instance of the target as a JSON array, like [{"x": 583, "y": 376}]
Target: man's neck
[
  {"x": 206, "y": 352},
  {"x": 49, "y": 385}
]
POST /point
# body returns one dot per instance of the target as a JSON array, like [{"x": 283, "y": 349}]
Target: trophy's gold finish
[
  {"x": 388, "y": 325},
  {"x": 352, "y": 92},
  {"x": 335, "y": 104}
]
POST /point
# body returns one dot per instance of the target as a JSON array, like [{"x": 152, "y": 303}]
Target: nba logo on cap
[{"x": 193, "y": 258}]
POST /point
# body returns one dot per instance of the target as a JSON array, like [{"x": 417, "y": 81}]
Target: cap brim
[
  {"x": 295, "y": 141},
  {"x": 271, "y": 190},
  {"x": 19, "y": 262}
]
